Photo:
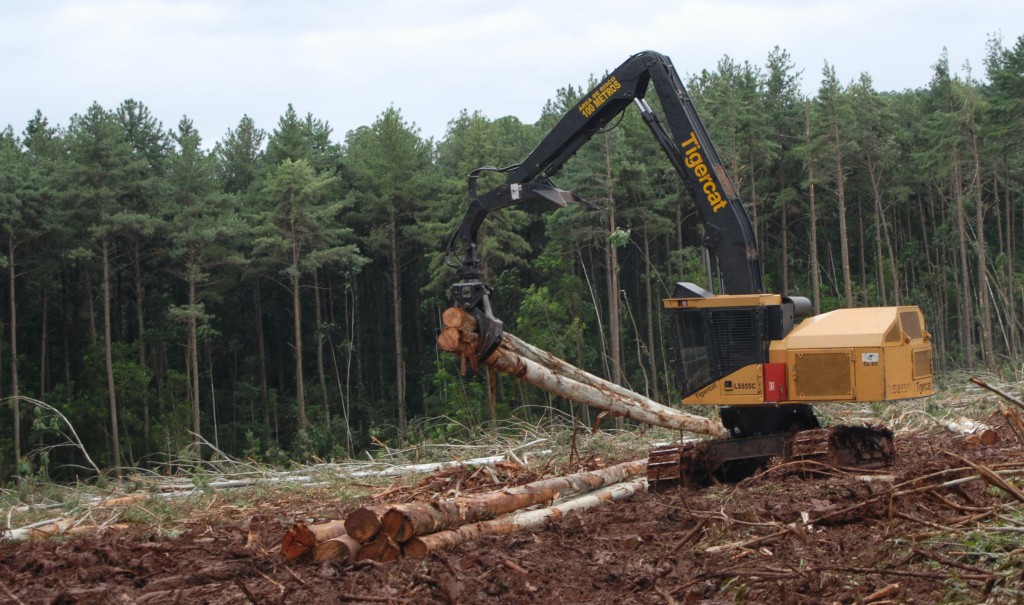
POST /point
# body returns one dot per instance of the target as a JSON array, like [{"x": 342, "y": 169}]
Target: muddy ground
[{"x": 744, "y": 543}]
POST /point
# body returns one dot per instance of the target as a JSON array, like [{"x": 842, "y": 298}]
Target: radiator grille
[
  {"x": 922, "y": 363},
  {"x": 824, "y": 375},
  {"x": 736, "y": 342}
]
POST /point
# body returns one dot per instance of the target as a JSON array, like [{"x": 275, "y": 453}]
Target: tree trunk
[
  {"x": 879, "y": 258},
  {"x": 612, "y": 277},
  {"x": 44, "y": 352},
  {"x": 15, "y": 394},
  {"x": 318, "y": 317},
  {"x": 109, "y": 359},
  {"x": 261, "y": 357},
  {"x": 300, "y": 378},
  {"x": 1016, "y": 325},
  {"x": 844, "y": 244},
  {"x": 785, "y": 249},
  {"x": 813, "y": 218},
  {"x": 140, "y": 327},
  {"x": 193, "y": 358},
  {"x": 984, "y": 304},
  {"x": 396, "y": 314},
  {"x": 651, "y": 314},
  {"x": 966, "y": 311}
]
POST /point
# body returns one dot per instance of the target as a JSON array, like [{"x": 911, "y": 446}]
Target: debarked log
[
  {"x": 421, "y": 546},
  {"x": 976, "y": 432},
  {"x": 634, "y": 407},
  {"x": 404, "y": 521}
]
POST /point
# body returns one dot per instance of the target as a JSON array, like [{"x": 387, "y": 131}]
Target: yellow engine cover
[{"x": 868, "y": 354}]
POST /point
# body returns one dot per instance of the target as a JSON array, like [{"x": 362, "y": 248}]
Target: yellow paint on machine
[
  {"x": 743, "y": 387},
  {"x": 846, "y": 355}
]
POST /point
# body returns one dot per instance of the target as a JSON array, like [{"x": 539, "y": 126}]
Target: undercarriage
[{"x": 793, "y": 434}]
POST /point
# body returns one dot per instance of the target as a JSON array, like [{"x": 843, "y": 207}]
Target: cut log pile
[
  {"x": 975, "y": 433},
  {"x": 545, "y": 371},
  {"x": 415, "y": 529}
]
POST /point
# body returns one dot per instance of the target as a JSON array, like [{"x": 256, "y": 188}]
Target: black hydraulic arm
[{"x": 729, "y": 234}]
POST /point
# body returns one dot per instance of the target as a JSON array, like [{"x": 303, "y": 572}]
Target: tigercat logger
[{"x": 761, "y": 358}]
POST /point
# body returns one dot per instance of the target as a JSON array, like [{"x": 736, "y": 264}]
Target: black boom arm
[{"x": 729, "y": 234}]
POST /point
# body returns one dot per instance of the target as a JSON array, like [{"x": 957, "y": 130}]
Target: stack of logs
[{"x": 415, "y": 529}]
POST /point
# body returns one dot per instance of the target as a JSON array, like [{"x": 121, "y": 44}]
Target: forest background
[{"x": 277, "y": 294}]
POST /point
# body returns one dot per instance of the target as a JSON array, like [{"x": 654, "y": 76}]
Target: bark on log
[
  {"x": 635, "y": 406},
  {"x": 364, "y": 523},
  {"x": 343, "y": 549},
  {"x": 421, "y": 546},
  {"x": 302, "y": 539},
  {"x": 404, "y": 521}
]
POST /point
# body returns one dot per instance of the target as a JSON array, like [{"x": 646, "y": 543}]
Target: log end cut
[
  {"x": 363, "y": 523},
  {"x": 344, "y": 550},
  {"x": 297, "y": 541}
]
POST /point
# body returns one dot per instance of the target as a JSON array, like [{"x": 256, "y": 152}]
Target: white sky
[{"x": 346, "y": 61}]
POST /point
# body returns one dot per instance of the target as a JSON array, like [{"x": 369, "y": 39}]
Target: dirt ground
[{"x": 867, "y": 541}]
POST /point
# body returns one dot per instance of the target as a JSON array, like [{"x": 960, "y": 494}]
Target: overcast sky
[{"x": 347, "y": 61}]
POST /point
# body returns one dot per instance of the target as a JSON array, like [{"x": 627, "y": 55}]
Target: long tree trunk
[
  {"x": 844, "y": 244},
  {"x": 193, "y": 357},
  {"x": 1016, "y": 325},
  {"x": 44, "y": 352},
  {"x": 140, "y": 327},
  {"x": 966, "y": 310},
  {"x": 318, "y": 317},
  {"x": 108, "y": 356},
  {"x": 612, "y": 277},
  {"x": 396, "y": 315},
  {"x": 813, "y": 218},
  {"x": 15, "y": 394},
  {"x": 984, "y": 304},
  {"x": 651, "y": 312},
  {"x": 879, "y": 258},
  {"x": 261, "y": 357},
  {"x": 300, "y": 378}
]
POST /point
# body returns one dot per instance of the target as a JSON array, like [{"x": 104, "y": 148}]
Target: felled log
[
  {"x": 404, "y": 521},
  {"x": 976, "y": 432},
  {"x": 302, "y": 539},
  {"x": 123, "y": 500},
  {"x": 364, "y": 523},
  {"x": 630, "y": 405},
  {"x": 421, "y": 546},
  {"x": 1015, "y": 401},
  {"x": 342, "y": 549}
]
